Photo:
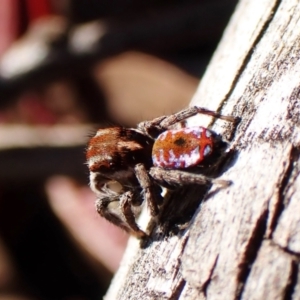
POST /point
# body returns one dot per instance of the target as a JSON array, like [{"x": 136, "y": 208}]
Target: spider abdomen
[{"x": 182, "y": 148}]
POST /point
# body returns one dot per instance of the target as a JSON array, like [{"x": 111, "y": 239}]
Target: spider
[{"x": 130, "y": 165}]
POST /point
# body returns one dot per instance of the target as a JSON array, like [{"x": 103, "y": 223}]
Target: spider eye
[
  {"x": 107, "y": 167},
  {"x": 112, "y": 165},
  {"x": 104, "y": 169}
]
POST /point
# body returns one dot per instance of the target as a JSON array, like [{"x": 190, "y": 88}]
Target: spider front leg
[
  {"x": 151, "y": 192},
  {"x": 179, "y": 178},
  {"x": 126, "y": 200},
  {"x": 106, "y": 206},
  {"x": 109, "y": 208}
]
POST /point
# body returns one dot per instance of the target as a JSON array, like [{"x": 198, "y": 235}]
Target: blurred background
[{"x": 67, "y": 67}]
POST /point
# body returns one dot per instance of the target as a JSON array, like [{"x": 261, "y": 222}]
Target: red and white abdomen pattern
[{"x": 182, "y": 148}]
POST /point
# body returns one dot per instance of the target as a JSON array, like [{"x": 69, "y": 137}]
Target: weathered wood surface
[{"x": 243, "y": 241}]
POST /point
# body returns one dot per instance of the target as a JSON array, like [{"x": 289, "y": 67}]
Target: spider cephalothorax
[{"x": 143, "y": 159}]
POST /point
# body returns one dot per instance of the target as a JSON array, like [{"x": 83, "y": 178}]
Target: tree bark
[{"x": 243, "y": 241}]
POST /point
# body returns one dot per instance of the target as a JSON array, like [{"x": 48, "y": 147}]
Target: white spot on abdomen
[{"x": 207, "y": 150}]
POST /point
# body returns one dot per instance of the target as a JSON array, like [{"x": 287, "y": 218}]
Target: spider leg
[
  {"x": 191, "y": 111},
  {"x": 160, "y": 124},
  {"x": 180, "y": 178},
  {"x": 102, "y": 207},
  {"x": 126, "y": 207},
  {"x": 150, "y": 190}
]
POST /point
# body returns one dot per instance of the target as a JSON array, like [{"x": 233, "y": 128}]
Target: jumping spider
[{"x": 143, "y": 159}]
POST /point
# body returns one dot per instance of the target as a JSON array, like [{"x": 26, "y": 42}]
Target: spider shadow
[{"x": 181, "y": 204}]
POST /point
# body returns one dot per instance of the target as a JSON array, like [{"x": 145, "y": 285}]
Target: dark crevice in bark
[
  {"x": 294, "y": 157},
  {"x": 296, "y": 255},
  {"x": 184, "y": 242},
  {"x": 251, "y": 252},
  {"x": 294, "y": 275},
  {"x": 177, "y": 292},
  {"x": 289, "y": 290},
  {"x": 206, "y": 284},
  {"x": 249, "y": 54}
]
